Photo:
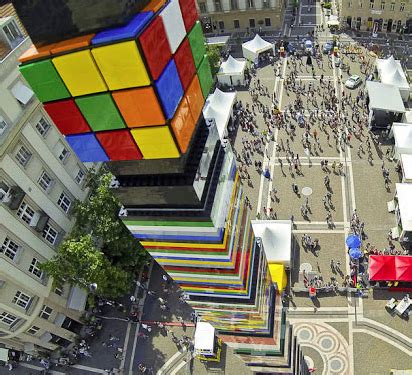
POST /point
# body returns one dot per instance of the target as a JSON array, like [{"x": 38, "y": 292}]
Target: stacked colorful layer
[{"x": 128, "y": 93}]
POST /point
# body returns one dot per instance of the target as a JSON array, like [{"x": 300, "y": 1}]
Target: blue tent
[
  {"x": 353, "y": 241},
  {"x": 355, "y": 253}
]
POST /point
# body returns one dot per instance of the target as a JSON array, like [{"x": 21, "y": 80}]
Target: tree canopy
[{"x": 99, "y": 249}]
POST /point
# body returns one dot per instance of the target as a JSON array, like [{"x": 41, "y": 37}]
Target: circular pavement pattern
[{"x": 331, "y": 345}]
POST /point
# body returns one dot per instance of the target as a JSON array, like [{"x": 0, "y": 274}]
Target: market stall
[
  {"x": 390, "y": 268},
  {"x": 385, "y": 104},
  {"x": 254, "y": 47},
  {"x": 406, "y": 167},
  {"x": 232, "y": 72},
  {"x": 403, "y": 210},
  {"x": 390, "y": 71},
  {"x": 402, "y": 134},
  {"x": 219, "y": 109}
]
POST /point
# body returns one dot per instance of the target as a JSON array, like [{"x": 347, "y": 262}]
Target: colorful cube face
[
  {"x": 169, "y": 89},
  {"x": 184, "y": 64},
  {"x": 121, "y": 65},
  {"x": 100, "y": 112},
  {"x": 45, "y": 81},
  {"x": 67, "y": 117},
  {"x": 87, "y": 147},
  {"x": 119, "y": 145},
  {"x": 130, "y": 92},
  {"x": 79, "y": 73},
  {"x": 183, "y": 125},
  {"x": 156, "y": 142},
  {"x": 197, "y": 43},
  {"x": 139, "y": 107},
  {"x": 155, "y": 47}
]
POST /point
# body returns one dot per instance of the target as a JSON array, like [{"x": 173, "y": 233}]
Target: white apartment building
[
  {"x": 40, "y": 178},
  {"x": 240, "y": 15}
]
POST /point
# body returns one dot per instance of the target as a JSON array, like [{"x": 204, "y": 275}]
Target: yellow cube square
[
  {"x": 79, "y": 73},
  {"x": 156, "y": 142},
  {"x": 121, "y": 65}
]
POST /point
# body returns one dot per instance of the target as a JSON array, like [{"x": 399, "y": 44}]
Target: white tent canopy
[
  {"x": 252, "y": 48},
  {"x": 232, "y": 72},
  {"x": 407, "y": 117},
  {"x": 219, "y": 107},
  {"x": 404, "y": 194},
  {"x": 384, "y": 97},
  {"x": 204, "y": 338},
  {"x": 276, "y": 236},
  {"x": 406, "y": 161},
  {"x": 391, "y": 72},
  {"x": 403, "y": 138}
]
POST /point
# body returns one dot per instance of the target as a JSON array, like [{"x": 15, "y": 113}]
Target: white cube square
[{"x": 174, "y": 25}]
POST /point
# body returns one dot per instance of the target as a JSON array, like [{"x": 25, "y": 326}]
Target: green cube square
[
  {"x": 197, "y": 43},
  {"x": 205, "y": 76},
  {"x": 100, "y": 111},
  {"x": 45, "y": 81}
]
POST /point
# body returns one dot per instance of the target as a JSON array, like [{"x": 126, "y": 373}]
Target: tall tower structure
[{"x": 128, "y": 90}]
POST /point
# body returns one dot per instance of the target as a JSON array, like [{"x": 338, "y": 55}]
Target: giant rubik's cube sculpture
[{"x": 132, "y": 96}]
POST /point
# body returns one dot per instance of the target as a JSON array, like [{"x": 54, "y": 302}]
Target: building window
[
  {"x": 402, "y": 7},
  {"x": 23, "y": 156},
  {"x": 13, "y": 34},
  {"x": 218, "y": 6},
  {"x": 371, "y": 4},
  {"x": 8, "y": 319},
  {"x": 202, "y": 7},
  {"x": 360, "y": 4},
  {"x": 50, "y": 234},
  {"x": 42, "y": 127},
  {"x": 79, "y": 178},
  {"x": 25, "y": 212},
  {"x": 236, "y": 24},
  {"x": 221, "y": 25},
  {"x": 268, "y": 22},
  {"x": 234, "y": 5},
  {"x": 392, "y": 6},
  {"x": 64, "y": 154},
  {"x": 250, "y": 4},
  {"x": 9, "y": 248},
  {"x": 252, "y": 22},
  {"x": 59, "y": 291},
  {"x": 33, "y": 330},
  {"x": 34, "y": 268},
  {"x": 3, "y": 124},
  {"x": 45, "y": 181},
  {"x": 350, "y": 4},
  {"x": 383, "y": 5},
  {"x": 21, "y": 299},
  {"x": 64, "y": 202},
  {"x": 45, "y": 312}
]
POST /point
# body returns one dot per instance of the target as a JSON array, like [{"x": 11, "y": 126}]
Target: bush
[{"x": 327, "y": 5}]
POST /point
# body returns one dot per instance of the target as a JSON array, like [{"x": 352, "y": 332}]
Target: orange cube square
[{"x": 183, "y": 125}]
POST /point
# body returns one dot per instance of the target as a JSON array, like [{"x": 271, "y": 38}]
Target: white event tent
[
  {"x": 232, "y": 72},
  {"x": 204, "y": 338},
  {"x": 219, "y": 108},
  {"x": 254, "y": 47},
  {"x": 406, "y": 162},
  {"x": 403, "y": 139},
  {"x": 384, "y": 97},
  {"x": 390, "y": 71},
  {"x": 276, "y": 236},
  {"x": 404, "y": 208}
]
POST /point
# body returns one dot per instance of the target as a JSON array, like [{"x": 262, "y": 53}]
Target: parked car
[
  {"x": 328, "y": 47},
  {"x": 353, "y": 81}
]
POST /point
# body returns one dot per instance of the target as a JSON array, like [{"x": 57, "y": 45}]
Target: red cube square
[
  {"x": 67, "y": 117},
  {"x": 185, "y": 64},
  {"x": 119, "y": 145},
  {"x": 156, "y": 47},
  {"x": 189, "y": 13}
]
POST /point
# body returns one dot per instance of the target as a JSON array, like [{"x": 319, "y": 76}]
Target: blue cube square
[{"x": 87, "y": 147}]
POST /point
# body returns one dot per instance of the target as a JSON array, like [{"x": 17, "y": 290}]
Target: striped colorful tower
[{"x": 132, "y": 96}]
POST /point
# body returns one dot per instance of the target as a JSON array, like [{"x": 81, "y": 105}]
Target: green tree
[
  {"x": 213, "y": 53},
  {"x": 80, "y": 262},
  {"x": 99, "y": 249}
]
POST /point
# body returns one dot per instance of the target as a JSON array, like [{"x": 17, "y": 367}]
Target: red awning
[
  {"x": 382, "y": 268},
  {"x": 403, "y": 266}
]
